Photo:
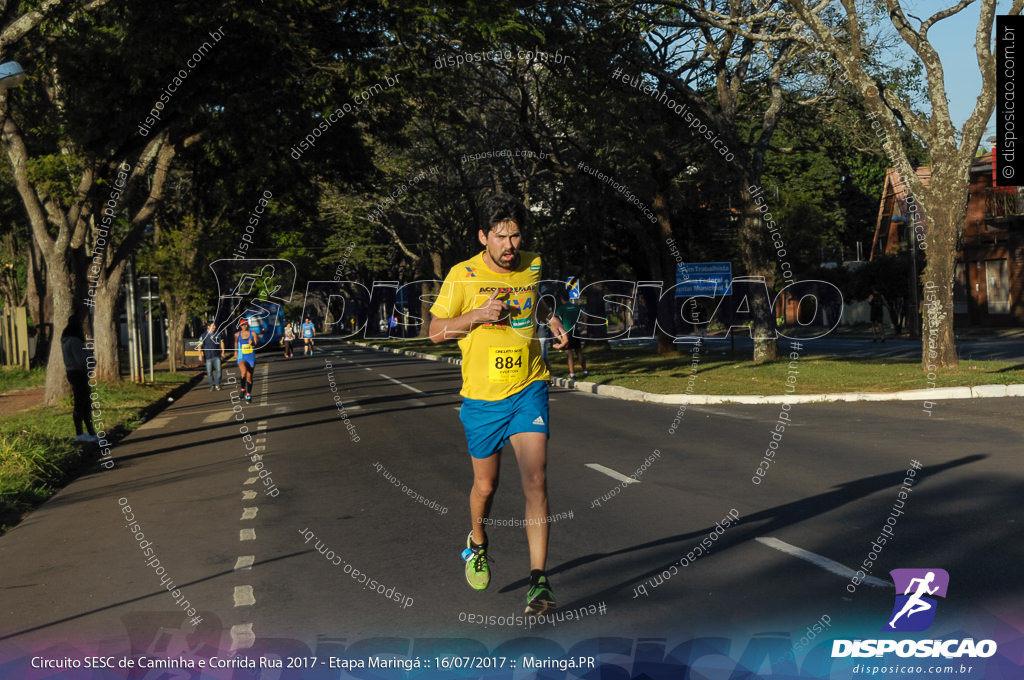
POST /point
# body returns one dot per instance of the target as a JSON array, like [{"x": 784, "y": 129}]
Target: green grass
[
  {"x": 722, "y": 372},
  {"x": 37, "y": 451},
  {"x": 14, "y": 378}
]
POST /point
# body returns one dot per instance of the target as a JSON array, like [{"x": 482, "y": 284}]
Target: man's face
[
  {"x": 211, "y": 328},
  {"x": 502, "y": 244}
]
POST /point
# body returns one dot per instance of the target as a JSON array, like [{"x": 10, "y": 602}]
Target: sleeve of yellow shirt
[{"x": 450, "y": 300}]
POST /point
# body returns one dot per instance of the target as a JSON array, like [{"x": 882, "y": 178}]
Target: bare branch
[
  {"x": 21, "y": 26},
  {"x": 398, "y": 240},
  {"x": 18, "y": 155},
  {"x": 943, "y": 14},
  {"x": 974, "y": 128}
]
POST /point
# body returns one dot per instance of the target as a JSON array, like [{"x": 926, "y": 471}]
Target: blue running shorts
[{"x": 489, "y": 424}]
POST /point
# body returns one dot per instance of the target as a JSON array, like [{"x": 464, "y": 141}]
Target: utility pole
[
  {"x": 149, "y": 317},
  {"x": 134, "y": 350}
]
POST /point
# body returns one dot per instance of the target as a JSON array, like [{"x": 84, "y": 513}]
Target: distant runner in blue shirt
[{"x": 308, "y": 333}]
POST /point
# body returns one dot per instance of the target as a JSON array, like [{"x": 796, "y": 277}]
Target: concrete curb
[{"x": 627, "y": 394}]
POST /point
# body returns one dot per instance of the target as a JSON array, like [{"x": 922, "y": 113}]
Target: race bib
[
  {"x": 246, "y": 348},
  {"x": 507, "y": 364}
]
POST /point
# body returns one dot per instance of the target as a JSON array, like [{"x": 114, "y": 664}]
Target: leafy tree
[{"x": 941, "y": 206}]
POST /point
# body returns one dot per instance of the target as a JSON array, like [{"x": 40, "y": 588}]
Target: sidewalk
[
  {"x": 88, "y": 585},
  {"x": 627, "y": 394}
]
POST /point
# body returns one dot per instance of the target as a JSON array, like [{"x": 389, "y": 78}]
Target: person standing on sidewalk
[
  {"x": 289, "y": 339},
  {"x": 569, "y": 314},
  {"x": 211, "y": 346},
  {"x": 877, "y": 302},
  {"x": 72, "y": 345},
  {"x": 488, "y": 302}
]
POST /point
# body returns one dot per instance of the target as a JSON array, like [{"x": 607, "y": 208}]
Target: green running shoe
[
  {"x": 539, "y": 598},
  {"x": 478, "y": 574}
]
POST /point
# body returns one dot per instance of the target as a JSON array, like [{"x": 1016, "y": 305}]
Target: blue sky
[{"x": 954, "y": 39}]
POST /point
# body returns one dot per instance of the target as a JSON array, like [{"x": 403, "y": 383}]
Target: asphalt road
[{"x": 237, "y": 549}]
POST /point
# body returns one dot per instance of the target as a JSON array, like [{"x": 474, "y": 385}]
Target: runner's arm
[
  {"x": 559, "y": 332},
  {"x": 442, "y": 329},
  {"x": 555, "y": 323}
]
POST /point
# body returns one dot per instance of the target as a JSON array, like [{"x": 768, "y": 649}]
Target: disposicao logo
[{"x": 914, "y": 610}]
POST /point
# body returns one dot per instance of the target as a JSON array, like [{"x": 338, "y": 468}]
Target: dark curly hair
[{"x": 501, "y": 207}]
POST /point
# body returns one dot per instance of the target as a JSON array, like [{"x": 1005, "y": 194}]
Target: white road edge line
[
  {"x": 399, "y": 382},
  {"x": 820, "y": 561},
  {"x": 243, "y": 596},
  {"x": 612, "y": 473},
  {"x": 242, "y": 637}
]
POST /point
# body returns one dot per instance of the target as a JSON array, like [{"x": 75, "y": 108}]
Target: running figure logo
[
  {"x": 252, "y": 289},
  {"x": 915, "y": 611}
]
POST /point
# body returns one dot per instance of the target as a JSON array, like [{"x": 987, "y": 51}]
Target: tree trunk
[
  {"x": 177, "y": 320},
  {"x": 108, "y": 367},
  {"x": 58, "y": 284},
  {"x": 666, "y": 271},
  {"x": 756, "y": 248},
  {"x": 946, "y": 212},
  {"x": 438, "y": 273}
]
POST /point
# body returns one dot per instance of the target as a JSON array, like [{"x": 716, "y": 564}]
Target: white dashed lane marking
[
  {"x": 410, "y": 402},
  {"x": 612, "y": 473},
  {"x": 399, "y": 382},
  {"x": 820, "y": 561},
  {"x": 242, "y": 635}
]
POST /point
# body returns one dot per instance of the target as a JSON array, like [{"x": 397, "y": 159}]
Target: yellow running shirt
[{"x": 501, "y": 358}]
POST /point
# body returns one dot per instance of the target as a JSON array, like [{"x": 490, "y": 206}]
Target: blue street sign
[{"x": 703, "y": 278}]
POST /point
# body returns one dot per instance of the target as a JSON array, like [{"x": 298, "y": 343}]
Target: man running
[
  {"x": 245, "y": 354},
  {"x": 308, "y": 333},
  {"x": 914, "y": 603},
  {"x": 488, "y": 303}
]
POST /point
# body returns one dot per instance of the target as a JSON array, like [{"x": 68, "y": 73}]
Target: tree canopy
[{"x": 373, "y": 130}]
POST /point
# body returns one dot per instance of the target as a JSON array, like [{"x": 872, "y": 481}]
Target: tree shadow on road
[{"x": 758, "y": 524}]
